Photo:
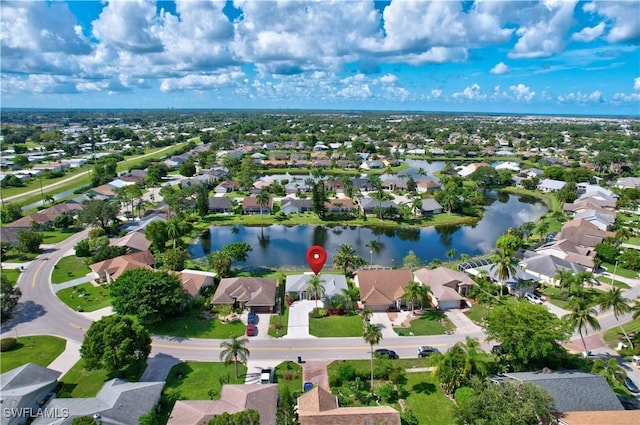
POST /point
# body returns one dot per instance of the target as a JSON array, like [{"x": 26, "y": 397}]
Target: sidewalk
[
  {"x": 71, "y": 283},
  {"x": 98, "y": 314},
  {"x": 69, "y": 357}
]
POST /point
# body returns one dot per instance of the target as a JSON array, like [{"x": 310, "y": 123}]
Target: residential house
[
  {"x": 391, "y": 183},
  {"x": 588, "y": 204},
  {"x": 319, "y": 407},
  {"x": 423, "y": 186},
  {"x": 430, "y": 207},
  {"x": 10, "y": 234},
  {"x": 448, "y": 287},
  {"x": 111, "y": 269},
  {"x": 104, "y": 192},
  {"x": 508, "y": 165},
  {"x": 296, "y": 206},
  {"x": 467, "y": 170},
  {"x": 601, "y": 219},
  {"x": 256, "y": 293},
  {"x": 38, "y": 220},
  {"x": 382, "y": 290},
  {"x": 250, "y": 206},
  {"x": 271, "y": 163},
  {"x": 544, "y": 267},
  {"x": 572, "y": 391},
  {"x": 586, "y": 190},
  {"x": 583, "y": 233},
  {"x": 550, "y": 185},
  {"x": 53, "y": 167},
  {"x": 25, "y": 387},
  {"x": 298, "y": 284},
  {"x": 340, "y": 206},
  {"x": 118, "y": 402},
  {"x": 201, "y": 179},
  {"x": 533, "y": 172},
  {"x": 373, "y": 164},
  {"x": 227, "y": 186},
  {"x": 599, "y": 417},
  {"x": 370, "y": 206},
  {"x": 220, "y": 205},
  {"x": 193, "y": 281},
  {"x": 135, "y": 241},
  {"x": 570, "y": 251},
  {"x": 628, "y": 183}
]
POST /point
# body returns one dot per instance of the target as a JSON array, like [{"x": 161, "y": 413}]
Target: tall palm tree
[
  {"x": 262, "y": 199},
  {"x": 543, "y": 227},
  {"x": 581, "y": 316},
  {"x": 380, "y": 195},
  {"x": 411, "y": 293},
  {"x": 611, "y": 370},
  {"x": 580, "y": 278},
  {"x": 176, "y": 228},
  {"x": 623, "y": 234},
  {"x": 347, "y": 259},
  {"x": 636, "y": 309},
  {"x": 374, "y": 247},
  {"x": 351, "y": 295},
  {"x": 565, "y": 280},
  {"x": 450, "y": 254},
  {"x": 416, "y": 206},
  {"x": 233, "y": 350},
  {"x": 315, "y": 286},
  {"x": 372, "y": 335},
  {"x": 424, "y": 295},
  {"x": 615, "y": 301},
  {"x": 366, "y": 316},
  {"x": 502, "y": 265}
]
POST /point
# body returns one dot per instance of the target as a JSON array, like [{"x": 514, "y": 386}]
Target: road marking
[
  {"x": 35, "y": 275},
  {"x": 73, "y": 325},
  {"x": 358, "y": 347}
]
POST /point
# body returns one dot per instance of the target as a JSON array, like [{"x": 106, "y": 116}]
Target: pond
[{"x": 284, "y": 246}]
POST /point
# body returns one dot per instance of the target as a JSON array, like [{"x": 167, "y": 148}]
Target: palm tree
[
  {"x": 502, "y": 265},
  {"x": 582, "y": 316},
  {"x": 347, "y": 259},
  {"x": 351, "y": 295},
  {"x": 233, "y": 350},
  {"x": 527, "y": 229},
  {"x": 450, "y": 254},
  {"x": 374, "y": 246},
  {"x": 543, "y": 227},
  {"x": 416, "y": 206},
  {"x": 175, "y": 229},
  {"x": 411, "y": 293},
  {"x": 611, "y": 370},
  {"x": 262, "y": 199},
  {"x": 424, "y": 295},
  {"x": 565, "y": 280},
  {"x": 623, "y": 234},
  {"x": 464, "y": 257},
  {"x": 315, "y": 286},
  {"x": 380, "y": 195},
  {"x": 636, "y": 309},
  {"x": 366, "y": 316},
  {"x": 372, "y": 335},
  {"x": 580, "y": 278},
  {"x": 615, "y": 301}
]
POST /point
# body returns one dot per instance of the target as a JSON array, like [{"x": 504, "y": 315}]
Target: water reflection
[{"x": 282, "y": 246}]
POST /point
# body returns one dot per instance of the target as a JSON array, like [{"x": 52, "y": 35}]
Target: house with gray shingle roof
[
  {"x": 256, "y": 293},
  {"x": 299, "y": 283},
  {"x": 118, "y": 403},
  {"x": 550, "y": 185},
  {"x": 544, "y": 267},
  {"x": 25, "y": 387},
  {"x": 573, "y": 391}
]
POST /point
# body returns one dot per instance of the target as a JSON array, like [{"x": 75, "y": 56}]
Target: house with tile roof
[
  {"x": 250, "y": 206},
  {"x": 599, "y": 417},
  {"x": 25, "y": 387},
  {"x": 601, "y": 219},
  {"x": 234, "y": 398},
  {"x": 381, "y": 290},
  {"x": 111, "y": 269},
  {"x": 117, "y": 403},
  {"x": 135, "y": 241},
  {"x": 319, "y": 407},
  {"x": 448, "y": 287},
  {"x": 572, "y": 391},
  {"x": 583, "y": 233},
  {"x": 193, "y": 281},
  {"x": 220, "y": 205},
  {"x": 256, "y": 293},
  {"x": 570, "y": 251}
]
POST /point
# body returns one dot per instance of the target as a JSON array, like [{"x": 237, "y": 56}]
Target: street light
[{"x": 371, "y": 252}]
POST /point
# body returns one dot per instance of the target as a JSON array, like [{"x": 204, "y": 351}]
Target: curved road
[{"x": 40, "y": 312}]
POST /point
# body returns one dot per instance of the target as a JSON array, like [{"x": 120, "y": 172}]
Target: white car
[{"x": 533, "y": 298}]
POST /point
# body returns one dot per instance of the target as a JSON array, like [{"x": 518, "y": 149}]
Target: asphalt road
[{"x": 40, "y": 312}]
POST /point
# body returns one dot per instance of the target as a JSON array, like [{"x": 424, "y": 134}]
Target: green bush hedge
[{"x": 8, "y": 344}]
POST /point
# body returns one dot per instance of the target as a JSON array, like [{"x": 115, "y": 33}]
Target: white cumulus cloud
[
  {"x": 621, "y": 16},
  {"x": 589, "y": 34},
  {"x": 499, "y": 69},
  {"x": 471, "y": 93},
  {"x": 636, "y": 83},
  {"x": 522, "y": 93}
]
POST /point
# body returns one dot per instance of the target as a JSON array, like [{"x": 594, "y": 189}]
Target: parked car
[
  {"x": 426, "y": 351},
  {"x": 266, "y": 376},
  {"x": 308, "y": 386},
  {"x": 251, "y": 329},
  {"x": 631, "y": 386},
  {"x": 628, "y": 403},
  {"x": 252, "y": 318},
  {"x": 593, "y": 281},
  {"x": 533, "y": 298},
  {"x": 385, "y": 352}
]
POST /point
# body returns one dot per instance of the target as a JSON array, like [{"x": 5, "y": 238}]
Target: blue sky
[{"x": 554, "y": 56}]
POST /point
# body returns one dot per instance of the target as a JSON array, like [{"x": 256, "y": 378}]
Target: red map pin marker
[{"x": 316, "y": 256}]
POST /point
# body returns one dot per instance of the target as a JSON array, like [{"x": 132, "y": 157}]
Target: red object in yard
[{"x": 251, "y": 329}]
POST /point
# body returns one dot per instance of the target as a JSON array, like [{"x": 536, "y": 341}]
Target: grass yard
[
  {"x": 201, "y": 380},
  {"x": 633, "y": 241},
  {"x": 336, "y": 326},
  {"x": 194, "y": 325},
  {"x": 289, "y": 374},
  {"x": 616, "y": 283},
  {"x": 431, "y": 322},
  {"x": 613, "y": 335},
  {"x": 11, "y": 275},
  {"x": 85, "y": 297},
  {"x": 562, "y": 301},
  {"x": 278, "y": 325},
  {"x": 620, "y": 271},
  {"x": 40, "y": 350},
  {"x": 57, "y": 236},
  {"x": 69, "y": 268},
  {"x": 81, "y": 383},
  {"x": 479, "y": 311}
]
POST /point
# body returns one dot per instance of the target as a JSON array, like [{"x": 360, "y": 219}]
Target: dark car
[
  {"x": 251, "y": 317},
  {"x": 251, "y": 329},
  {"x": 426, "y": 351},
  {"x": 628, "y": 403},
  {"x": 384, "y": 352},
  {"x": 631, "y": 386},
  {"x": 308, "y": 386}
]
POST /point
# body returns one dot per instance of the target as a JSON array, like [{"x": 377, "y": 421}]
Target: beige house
[
  {"x": 448, "y": 287},
  {"x": 233, "y": 398},
  {"x": 193, "y": 281},
  {"x": 111, "y": 269},
  {"x": 135, "y": 241},
  {"x": 256, "y": 293},
  {"x": 320, "y": 407},
  {"x": 381, "y": 290}
]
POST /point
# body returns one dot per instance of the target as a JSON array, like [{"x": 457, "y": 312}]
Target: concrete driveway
[
  {"x": 299, "y": 319},
  {"x": 382, "y": 321},
  {"x": 255, "y": 366},
  {"x": 262, "y": 324}
]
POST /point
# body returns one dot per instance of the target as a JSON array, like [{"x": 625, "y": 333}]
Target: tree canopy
[
  {"x": 9, "y": 295},
  {"x": 115, "y": 342},
  {"x": 150, "y": 295},
  {"x": 98, "y": 213}
]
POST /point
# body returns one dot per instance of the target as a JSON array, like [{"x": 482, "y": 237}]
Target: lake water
[{"x": 283, "y": 246}]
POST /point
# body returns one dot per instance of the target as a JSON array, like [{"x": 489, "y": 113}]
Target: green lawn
[
  {"x": 620, "y": 271},
  {"x": 278, "y": 325},
  {"x": 201, "y": 380},
  {"x": 289, "y": 374},
  {"x": 40, "y": 350},
  {"x": 85, "y": 297},
  {"x": 562, "y": 301},
  {"x": 616, "y": 283},
  {"x": 11, "y": 275},
  {"x": 431, "y": 322},
  {"x": 193, "y": 325},
  {"x": 81, "y": 383},
  {"x": 479, "y": 311},
  {"x": 69, "y": 268},
  {"x": 57, "y": 236},
  {"x": 336, "y": 326},
  {"x": 633, "y": 241},
  {"x": 613, "y": 335}
]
